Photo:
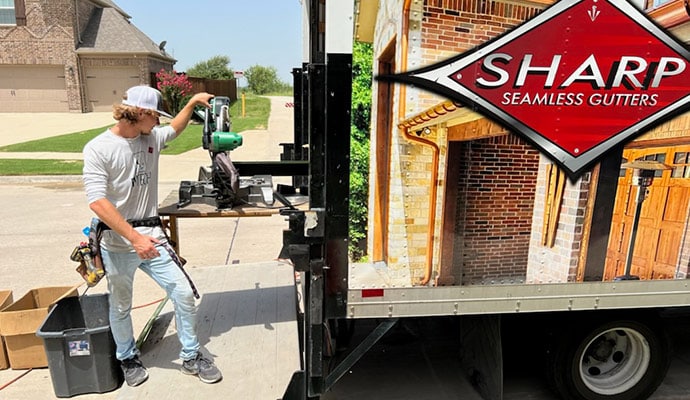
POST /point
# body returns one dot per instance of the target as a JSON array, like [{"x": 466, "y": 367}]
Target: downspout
[{"x": 433, "y": 189}]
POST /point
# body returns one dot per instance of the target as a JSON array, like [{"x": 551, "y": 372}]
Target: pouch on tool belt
[{"x": 88, "y": 255}]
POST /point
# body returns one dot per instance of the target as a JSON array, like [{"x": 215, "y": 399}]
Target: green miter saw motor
[
  {"x": 217, "y": 136},
  {"x": 221, "y": 183}
]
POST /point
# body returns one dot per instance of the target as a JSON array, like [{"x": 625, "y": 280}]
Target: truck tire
[{"x": 615, "y": 360}]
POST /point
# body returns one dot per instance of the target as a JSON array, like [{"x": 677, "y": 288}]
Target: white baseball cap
[{"x": 147, "y": 98}]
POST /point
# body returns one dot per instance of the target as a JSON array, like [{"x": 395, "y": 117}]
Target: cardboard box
[
  {"x": 20, "y": 320},
  {"x": 5, "y": 300}
]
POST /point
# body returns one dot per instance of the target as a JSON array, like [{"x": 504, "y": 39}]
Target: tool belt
[
  {"x": 168, "y": 245},
  {"x": 150, "y": 222}
]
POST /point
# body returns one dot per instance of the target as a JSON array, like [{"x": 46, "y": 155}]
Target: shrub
[{"x": 175, "y": 88}]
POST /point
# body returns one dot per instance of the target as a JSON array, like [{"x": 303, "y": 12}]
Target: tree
[
  {"x": 215, "y": 67},
  {"x": 175, "y": 89},
  {"x": 362, "y": 58},
  {"x": 262, "y": 80}
]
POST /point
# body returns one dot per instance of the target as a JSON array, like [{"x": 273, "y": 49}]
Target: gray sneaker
[
  {"x": 203, "y": 368},
  {"x": 135, "y": 373}
]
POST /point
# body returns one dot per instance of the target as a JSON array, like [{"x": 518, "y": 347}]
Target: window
[
  {"x": 660, "y": 157},
  {"x": 623, "y": 171},
  {"x": 7, "y": 15},
  {"x": 657, "y": 3},
  {"x": 681, "y": 165}
]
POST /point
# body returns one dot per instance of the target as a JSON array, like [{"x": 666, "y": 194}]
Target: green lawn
[
  {"x": 256, "y": 114},
  {"x": 40, "y": 167}
]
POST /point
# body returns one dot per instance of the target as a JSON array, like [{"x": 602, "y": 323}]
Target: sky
[{"x": 265, "y": 32}]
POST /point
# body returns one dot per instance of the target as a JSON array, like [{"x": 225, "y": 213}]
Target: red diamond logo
[{"x": 577, "y": 80}]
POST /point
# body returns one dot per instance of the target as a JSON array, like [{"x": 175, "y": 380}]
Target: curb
[{"x": 31, "y": 179}]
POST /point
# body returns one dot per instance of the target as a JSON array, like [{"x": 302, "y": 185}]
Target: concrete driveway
[{"x": 22, "y": 127}]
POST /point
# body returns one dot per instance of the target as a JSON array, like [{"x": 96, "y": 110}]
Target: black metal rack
[{"x": 317, "y": 239}]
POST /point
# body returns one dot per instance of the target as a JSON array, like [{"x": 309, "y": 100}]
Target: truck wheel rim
[{"x": 614, "y": 361}]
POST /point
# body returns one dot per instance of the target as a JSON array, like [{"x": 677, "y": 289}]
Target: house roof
[
  {"x": 110, "y": 3},
  {"x": 109, "y": 31}
]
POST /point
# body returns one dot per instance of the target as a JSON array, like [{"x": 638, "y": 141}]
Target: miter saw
[{"x": 220, "y": 184}]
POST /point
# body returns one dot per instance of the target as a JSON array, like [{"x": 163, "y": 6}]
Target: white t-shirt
[{"x": 125, "y": 171}]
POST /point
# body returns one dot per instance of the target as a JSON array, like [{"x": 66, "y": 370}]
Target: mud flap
[
  {"x": 296, "y": 389},
  {"x": 481, "y": 354}
]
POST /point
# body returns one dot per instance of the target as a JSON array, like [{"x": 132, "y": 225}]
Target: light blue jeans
[{"x": 120, "y": 269}]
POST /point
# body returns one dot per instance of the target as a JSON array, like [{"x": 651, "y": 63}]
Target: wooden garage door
[
  {"x": 106, "y": 85},
  {"x": 662, "y": 220},
  {"x": 29, "y": 88}
]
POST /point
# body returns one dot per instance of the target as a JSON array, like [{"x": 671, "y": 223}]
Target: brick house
[
  {"x": 71, "y": 55},
  {"x": 457, "y": 199}
]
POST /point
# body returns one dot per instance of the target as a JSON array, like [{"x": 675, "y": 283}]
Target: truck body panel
[
  {"x": 379, "y": 299},
  {"x": 468, "y": 219}
]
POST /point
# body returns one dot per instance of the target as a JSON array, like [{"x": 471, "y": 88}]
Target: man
[{"x": 121, "y": 179}]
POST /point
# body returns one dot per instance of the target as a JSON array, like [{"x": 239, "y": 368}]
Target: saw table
[{"x": 170, "y": 212}]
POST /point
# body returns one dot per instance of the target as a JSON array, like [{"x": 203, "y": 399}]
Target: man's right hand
[{"x": 145, "y": 246}]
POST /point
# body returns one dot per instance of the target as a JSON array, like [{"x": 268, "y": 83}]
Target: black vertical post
[
  {"x": 337, "y": 149},
  {"x": 320, "y": 252},
  {"x": 300, "y": 123},
  {"x": 317, "y": 145},
  {"x": 297, "y": 110},
  {"x": 317, "y": 200},
  {"x": 317, "y": 135},
  {"x": 304, "y": 134},
  {"x": 317, "y": 31}
]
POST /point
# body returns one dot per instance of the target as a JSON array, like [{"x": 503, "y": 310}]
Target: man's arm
[
  {"x": 181, "y": 120},
  {"x": 108, "y": 214}
]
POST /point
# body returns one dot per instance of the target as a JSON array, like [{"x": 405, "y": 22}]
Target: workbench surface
[{"x": 169, "y": 208}]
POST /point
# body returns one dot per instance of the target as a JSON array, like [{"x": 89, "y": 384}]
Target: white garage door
[
  {"x": 106, "y": 85},
  {"x": 30, "y": 88}
]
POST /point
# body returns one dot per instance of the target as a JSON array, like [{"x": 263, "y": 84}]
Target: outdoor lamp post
[{"x": 643, "y": 175}]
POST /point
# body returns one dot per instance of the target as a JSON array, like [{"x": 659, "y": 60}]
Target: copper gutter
[
  {"x": 435, "y": 161},
  {"x": 671, "y": 14}
]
